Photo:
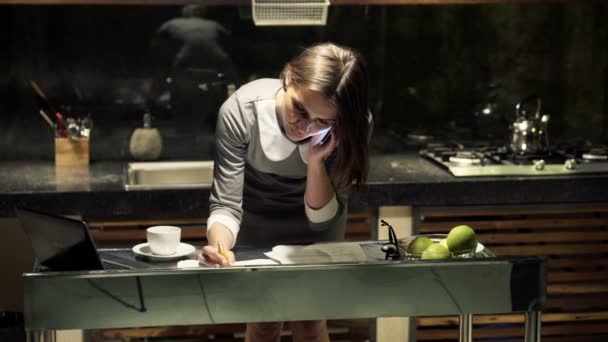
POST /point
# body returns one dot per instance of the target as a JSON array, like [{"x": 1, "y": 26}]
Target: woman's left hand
[{"x": 320, "y": 153}]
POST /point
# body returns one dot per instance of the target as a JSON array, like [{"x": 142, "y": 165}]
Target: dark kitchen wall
[{"x": 433, "y": 70}]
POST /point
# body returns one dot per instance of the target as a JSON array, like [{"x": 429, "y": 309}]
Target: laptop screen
[{"x": 59, "y": 243}]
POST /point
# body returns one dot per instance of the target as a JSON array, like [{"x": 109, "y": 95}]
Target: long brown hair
[{"x": 340, "y": 74}]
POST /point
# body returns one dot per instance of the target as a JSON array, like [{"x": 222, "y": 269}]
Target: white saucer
[{"x": 182, "y": 250}]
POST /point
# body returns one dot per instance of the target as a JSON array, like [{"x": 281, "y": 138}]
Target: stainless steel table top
[{"x": 376, "y": 288}]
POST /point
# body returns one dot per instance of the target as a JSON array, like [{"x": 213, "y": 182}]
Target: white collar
[{"x": 275, "y": 145}]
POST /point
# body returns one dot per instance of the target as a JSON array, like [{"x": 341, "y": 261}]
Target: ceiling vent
[{"x": 289, "y": 12}]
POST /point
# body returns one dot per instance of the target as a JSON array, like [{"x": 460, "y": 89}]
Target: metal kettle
[{"x": 530, "y": 134}]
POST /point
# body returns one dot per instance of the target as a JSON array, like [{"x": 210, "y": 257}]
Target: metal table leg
[
  {"x": 466, "y": 328},
  {"x": 403, "y": 219},
  {"x": 41, "y": 336},
  {"x": 533, "y": 321}
]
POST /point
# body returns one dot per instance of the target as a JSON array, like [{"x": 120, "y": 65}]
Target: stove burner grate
[
  {"x": 596, "y": 154},
  {"x": 466, "y": 161},
  {"x": 465, "y": 158}
]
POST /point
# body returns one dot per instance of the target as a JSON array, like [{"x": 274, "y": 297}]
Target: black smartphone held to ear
[{"x": 323, "y": 137}]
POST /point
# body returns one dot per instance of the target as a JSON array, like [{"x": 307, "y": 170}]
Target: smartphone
[{"x": 322, "y": 137}]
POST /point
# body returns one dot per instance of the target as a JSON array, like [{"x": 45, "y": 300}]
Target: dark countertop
[{"x": 396, "y": 179}]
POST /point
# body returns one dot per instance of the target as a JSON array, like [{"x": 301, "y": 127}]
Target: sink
[{"x": 169, "y": 175}]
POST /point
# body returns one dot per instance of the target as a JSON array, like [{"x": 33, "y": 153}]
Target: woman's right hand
[{"x": 211, "y": 257}]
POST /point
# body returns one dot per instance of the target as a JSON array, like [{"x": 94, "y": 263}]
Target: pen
[{"x": 220, "y": 249}]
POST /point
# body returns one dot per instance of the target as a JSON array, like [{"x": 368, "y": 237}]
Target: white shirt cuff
[
  {"x": 228, "y": 221},
  {"x": 322, "y": 214}
]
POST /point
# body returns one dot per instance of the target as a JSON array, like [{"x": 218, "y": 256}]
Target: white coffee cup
[{"x": 163, "y": 240}]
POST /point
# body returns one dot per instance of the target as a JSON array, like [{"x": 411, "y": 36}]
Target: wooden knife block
[{"x": 71, "y": 152}]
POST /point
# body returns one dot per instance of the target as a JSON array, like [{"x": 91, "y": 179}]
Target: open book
[{"x": 318, "y": 253}]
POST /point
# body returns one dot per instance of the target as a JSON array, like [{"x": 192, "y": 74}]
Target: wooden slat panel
[
  {"x": 359, "y": 216},
  {"x": 578, "y": 263},
  {"x": 595, "y": 338},
  {"x": 573, "y": 329},
  {"x": 547, "y": 330},
  {"x": 566, "y": 277},
  {"x": 568, "y": 289},
  {"x": 353, "y": 238},
  {"x": 194, "y": 330},
  {"x": 579, "y": 338},
  {"x": 578, "y": 236},
  {"x": 558, "y": 249},
  {"x": 140, "y": 235},
  {"x": 352, "y": 217},
  {"x": 359, "y": 228},
  {"x": 428, "y": 213},
  {"x": 346, "y": 328},
  {"x": 577, "y": 303},
  {"x": 528, "y": 223},
  {"x": 513, "y": 318},
  {"x": 146, "y": 223},
  {"x": 118, "y": 231}
]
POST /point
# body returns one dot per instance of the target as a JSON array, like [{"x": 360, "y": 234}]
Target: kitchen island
[
  {"x": 376, "y": 288},
  {"x": 401, "y": 187}
]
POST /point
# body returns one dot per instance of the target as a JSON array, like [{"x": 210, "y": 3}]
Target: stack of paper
[
  {"x": 252, "y": 262},
  {"x": 255, "y": 262},
  {"x": 318, "y": 253},
  {"x": 309, "y": 254}
]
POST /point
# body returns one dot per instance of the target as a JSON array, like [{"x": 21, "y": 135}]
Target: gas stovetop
[{"x": 472, "y": 161}]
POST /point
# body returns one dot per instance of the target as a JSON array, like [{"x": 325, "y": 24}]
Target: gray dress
[{"x": 260, "y": 176}]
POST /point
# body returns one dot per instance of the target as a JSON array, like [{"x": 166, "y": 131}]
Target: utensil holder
[{"x": 71, "y": 151}]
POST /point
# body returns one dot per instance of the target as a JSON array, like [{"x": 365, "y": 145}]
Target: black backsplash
[{"x": 433, "y": 70}]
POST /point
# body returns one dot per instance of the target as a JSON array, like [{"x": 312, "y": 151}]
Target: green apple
[
  {"x": 436, "y": 251},
  {"x": 461, "y": 238},
  {"x": 418, "y": 245}
]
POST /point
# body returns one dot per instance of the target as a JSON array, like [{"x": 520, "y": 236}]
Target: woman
[{"x": 271, "y": 183}]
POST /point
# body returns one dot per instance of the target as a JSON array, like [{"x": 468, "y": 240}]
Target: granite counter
[{"x": 395, "y": 179}]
